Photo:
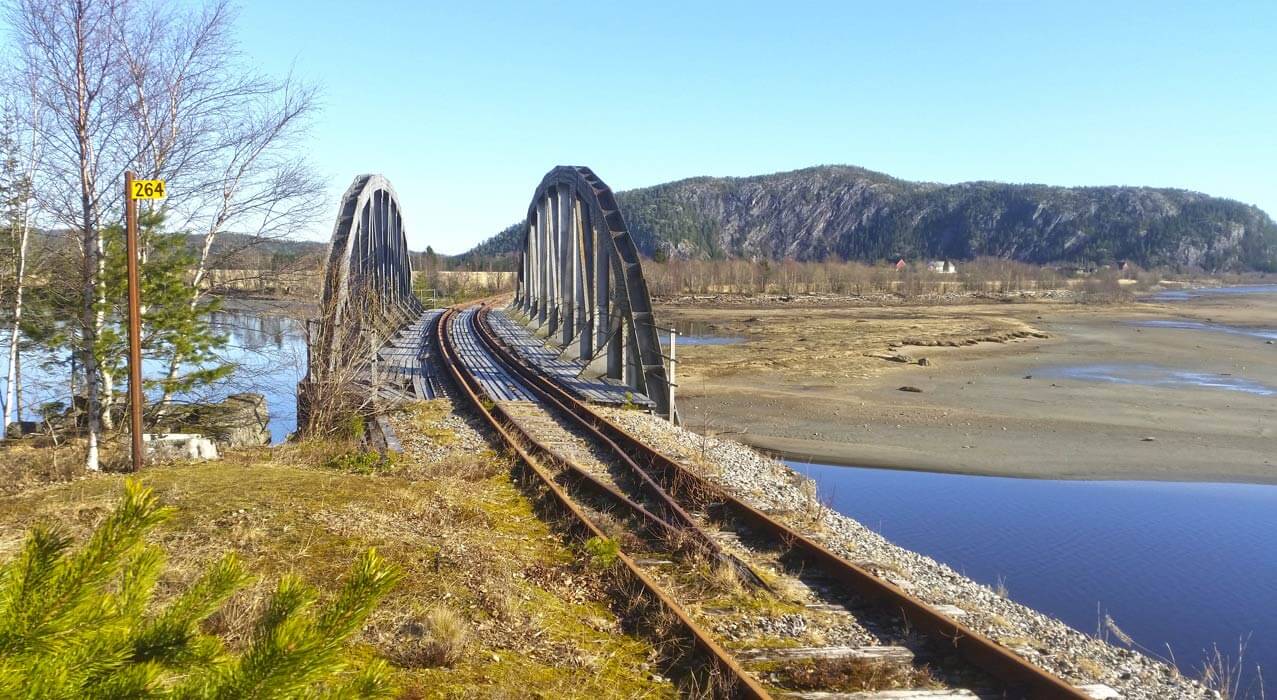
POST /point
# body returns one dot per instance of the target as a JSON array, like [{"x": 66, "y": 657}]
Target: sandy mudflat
[{"x": 812, "y": 383}]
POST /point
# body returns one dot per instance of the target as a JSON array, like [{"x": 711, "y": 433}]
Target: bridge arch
[
  {"x": 580, "y": 282},
  {"x": 367, "y": 273}
]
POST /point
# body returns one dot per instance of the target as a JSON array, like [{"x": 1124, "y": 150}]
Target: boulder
[
  {"x": 242, "y": 420},
  {"x": 23, "y": 428},
  {"x": 166, "y": 446}
]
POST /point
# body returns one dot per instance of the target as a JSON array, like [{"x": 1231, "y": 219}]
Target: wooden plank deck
[
  {"x": 496, "y": 382},
  {"x": 404, "y": 359},
  {"x": 567, "y": 373}
]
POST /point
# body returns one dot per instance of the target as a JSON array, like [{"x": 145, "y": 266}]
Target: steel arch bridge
[
  {"x": 581, "y": 283},
  {"x": 367, "y": 274}
]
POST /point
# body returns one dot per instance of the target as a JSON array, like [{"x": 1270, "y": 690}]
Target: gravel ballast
[{"x": 780, "y": 491}]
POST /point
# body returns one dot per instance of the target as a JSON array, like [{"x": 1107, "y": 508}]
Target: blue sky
[{"x": 464, "y": 106}]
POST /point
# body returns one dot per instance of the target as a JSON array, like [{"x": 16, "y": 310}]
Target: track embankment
[{"x": 766, "y": 596}]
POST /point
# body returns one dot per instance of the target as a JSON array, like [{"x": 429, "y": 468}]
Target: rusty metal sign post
[{"x": 133, "y": 191}]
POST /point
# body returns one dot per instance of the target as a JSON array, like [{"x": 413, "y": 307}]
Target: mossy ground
[{"x": 538, "y": 623}]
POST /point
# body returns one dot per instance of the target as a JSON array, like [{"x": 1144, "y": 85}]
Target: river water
[
  {"x": 269, "y": 352},
  {"x": 1180, "y": 567}
]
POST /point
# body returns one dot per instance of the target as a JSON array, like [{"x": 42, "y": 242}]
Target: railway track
[{"x": 735, "y": 585}]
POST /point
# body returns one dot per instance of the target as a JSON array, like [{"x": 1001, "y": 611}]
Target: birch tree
[
  {"x": 20, "y": 153},
  {"x": 68, "y": 51},
  {"x": 160, "y": 88},
  {"x": 224, "y": 136}
]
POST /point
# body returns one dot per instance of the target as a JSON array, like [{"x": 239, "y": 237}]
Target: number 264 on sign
[{"x": 147, "y": 189}]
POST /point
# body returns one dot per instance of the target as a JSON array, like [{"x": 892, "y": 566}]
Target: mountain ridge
[{"x": 852, "y": 213}]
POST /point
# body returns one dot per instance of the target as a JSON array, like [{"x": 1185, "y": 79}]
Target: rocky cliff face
[{"x": 851, "y": 213}]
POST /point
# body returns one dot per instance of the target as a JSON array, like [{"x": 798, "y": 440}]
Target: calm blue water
[
  {"x": 1187, "y": 294},
  {"x": 1156, "y": 375},
  {"x": 1179, "y": 564},
  {"x": 699, "y": 333},
  {"x": 269, "y": 352},
  {"x": 1263, "y": 333}
]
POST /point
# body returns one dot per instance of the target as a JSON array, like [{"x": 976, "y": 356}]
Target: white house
[{"x": 942, "y": 267}]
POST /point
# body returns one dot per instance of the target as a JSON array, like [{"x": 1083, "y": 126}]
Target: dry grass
[
  {"x": 24, "y": 466},
  {"x": 426, "y": 418},
  {"x": 493, "y": 603},
  {"x": 1092, "y": 669},
  {"x": 1229, "y": 675},
  {"x": 441, "y": 640},
  {"x": 836, "y": 343},
  {"x": 725, "y": 580}
]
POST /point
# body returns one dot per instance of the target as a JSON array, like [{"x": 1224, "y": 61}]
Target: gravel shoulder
[{"x": 779, "y": 490}]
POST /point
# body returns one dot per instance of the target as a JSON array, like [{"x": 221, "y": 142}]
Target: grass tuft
[
  {"x": 447, "y": 637},
  {"x": 603, "y": 552},
  {"x": 361, "y": 462}
]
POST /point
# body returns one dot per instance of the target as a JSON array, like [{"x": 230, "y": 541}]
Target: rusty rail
[
  {"x": 737, "y": 683},
  {"x": 1021, "y": 677}
]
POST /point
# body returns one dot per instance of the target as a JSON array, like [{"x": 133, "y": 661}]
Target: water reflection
[
  {"x": 1265, "y": 333},
  {"x": 1156, "y": 375},
  {"x": 1187, "y": 294},
  {"x": 268, "y": 351},
  {"x": 699, "y": 333},
  {"x": 255, "y": 331}
]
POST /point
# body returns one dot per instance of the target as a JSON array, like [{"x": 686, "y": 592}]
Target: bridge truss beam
[
  {"x": 580, "y": 282},
  {"x": 367, "y": 276}
]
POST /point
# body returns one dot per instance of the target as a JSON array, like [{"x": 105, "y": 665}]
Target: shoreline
[
  {"x": 825, "y": 386},
  {"x": 847, "y": 460},
  {"x": 1041, "y": 637}
]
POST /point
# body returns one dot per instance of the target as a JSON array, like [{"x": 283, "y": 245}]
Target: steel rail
[
  {"x": 738, "y": 683},
  {"x": 676, "y": 520},
  {"x": 648, "y": 521},
  {"x": 1020, "y": 676}
]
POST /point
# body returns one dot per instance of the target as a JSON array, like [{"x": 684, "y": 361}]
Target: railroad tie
[
  {"x": 918, "y": 694},
  {"x": 886, "y": 654}
]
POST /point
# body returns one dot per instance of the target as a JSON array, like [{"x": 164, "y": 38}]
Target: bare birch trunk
[
  {"x": 12, "y": 407},
  {"x": 91, "y": 276},
  {"x": 88, "y": 335}
]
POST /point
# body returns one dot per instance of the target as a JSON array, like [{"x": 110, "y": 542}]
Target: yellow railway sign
[{"x": 147, "y": 189}]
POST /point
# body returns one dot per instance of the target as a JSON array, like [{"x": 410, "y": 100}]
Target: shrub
[
  {"x": 603, "y": 551},
  {"x": 83, "y": 624},
  {"x": 361, "y": 462}
]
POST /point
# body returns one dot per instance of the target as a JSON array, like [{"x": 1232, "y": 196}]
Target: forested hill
[{"x": 844, "y": 212}]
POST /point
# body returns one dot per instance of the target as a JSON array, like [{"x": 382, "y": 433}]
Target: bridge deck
[
  {"x": 496, "y": 382},
  {"x": 405, "y": 356},
  {"x": 567, "y": 373}
]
